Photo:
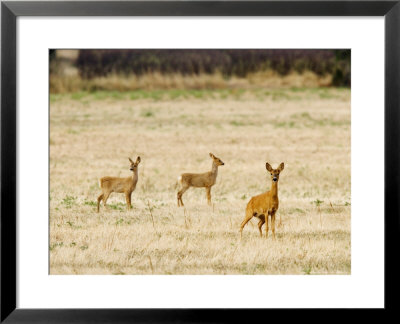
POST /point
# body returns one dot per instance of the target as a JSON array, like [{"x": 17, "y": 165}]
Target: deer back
[
  {"x": 116, "y": 184},
  {"x": 198, "y": 179}
]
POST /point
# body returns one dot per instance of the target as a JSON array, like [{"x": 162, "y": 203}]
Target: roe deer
[
  {"x": 120, "y": 185},
  {"x": 267, "y": 203},
  {"x": 199, "y": 180}
]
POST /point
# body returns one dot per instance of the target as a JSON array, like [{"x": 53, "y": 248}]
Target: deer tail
[{"x": 178, "y": 182}]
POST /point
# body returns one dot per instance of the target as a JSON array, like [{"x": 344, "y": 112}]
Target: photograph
[{"x": 199, "y": 161}]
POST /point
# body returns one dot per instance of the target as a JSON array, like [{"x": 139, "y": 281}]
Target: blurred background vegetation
[{"x": 149, "y": 69}]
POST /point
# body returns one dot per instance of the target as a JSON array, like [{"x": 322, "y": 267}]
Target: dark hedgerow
[{"x": 229, "y": 62}]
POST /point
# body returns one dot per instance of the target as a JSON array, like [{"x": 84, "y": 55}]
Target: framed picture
[{"x": 143, "y": 144}]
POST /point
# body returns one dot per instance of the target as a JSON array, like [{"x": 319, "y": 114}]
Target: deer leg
[
  {"x": 177, "y": 194},
  {"x": 128, "y": 200},
  {"x": 260, "y": 224},
  {"x": 208, "y": 193},
  {"x": 99, "y": 198},
  {"x": 180, "y": 193},
  {"x": 273, "y": 224},
  {"x": 266, "y": 225},
  {"x": 178, "y": 199},
  {"x": 248, "y": 216},
  {"x": 106, "y": 195}
]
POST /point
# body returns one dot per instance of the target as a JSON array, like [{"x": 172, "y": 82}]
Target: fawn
[
  {"x": 199, "y": 180},
  {"x": 120, "y": 185},
  {"x": 267, "y": 203}
]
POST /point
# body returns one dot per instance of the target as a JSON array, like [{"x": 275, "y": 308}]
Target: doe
[
  {"x": 265, "y": 204},
  {"x": 199, "y": 180},
  {"x": 119, "y": 185}
]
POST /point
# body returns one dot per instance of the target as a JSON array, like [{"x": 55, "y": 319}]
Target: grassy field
[{"x": 93, "y": 134}]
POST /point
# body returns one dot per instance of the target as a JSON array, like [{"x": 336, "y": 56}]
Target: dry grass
[{"x": 92, "y": 135}]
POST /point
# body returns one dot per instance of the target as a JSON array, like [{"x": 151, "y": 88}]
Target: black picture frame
[{"x": 9, "y": 13}]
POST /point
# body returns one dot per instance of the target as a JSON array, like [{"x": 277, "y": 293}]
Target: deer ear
[
  {"x": 268, "y": 166},
  {"x": 138, "y": 159},
  {"x": 281, "y": 166},
  {"x": 211, "y": 155},
  {"x": 130, "y": 160}
]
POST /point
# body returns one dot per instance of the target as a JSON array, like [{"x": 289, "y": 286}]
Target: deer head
[
  {"x": 274, "y": 172},
  {"x": 216, "y": 160},
  {"x": 134, "y": 165}
]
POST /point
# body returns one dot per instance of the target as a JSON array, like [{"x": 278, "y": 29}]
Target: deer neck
[
  {"x": 135, "y": 176},
  {"x": 274, "y": 189},
  {"x": 214, "y": 170}
]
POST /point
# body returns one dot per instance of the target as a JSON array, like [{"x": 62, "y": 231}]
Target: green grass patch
[
  {"x": 119, "y": 273},
  {"x": 55, "y": 97},
  {"x": 307, "y": 269},
  {"x": 237, "y": 123},
  {"x": 304, "y": 119},
  {"x": 296, "y": 211},
  {"x": 79, "y": 95},
  {"x": 147, "y": 113},
  {"x": 284, "y": 124},
  {"x": 295, "y": 93},
  {"x": 317, "y": 202},
  {"x": 72, "y": 225},
  {"x": 56, "y": 245},
  {"x": 69, "y": 201},
  {"x": 72, "y": 131},
  {"x": 90, "y": 203},
  {"x": 117, "y": 206}
]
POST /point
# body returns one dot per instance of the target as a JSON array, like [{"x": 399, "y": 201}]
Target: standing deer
[
  {"x": 267, "y": 203},
  {"x": 120, "y": 185},
  {"x": 199, "y": 180}
]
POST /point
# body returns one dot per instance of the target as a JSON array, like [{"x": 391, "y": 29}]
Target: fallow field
[{"x": 93, "y": 134}]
